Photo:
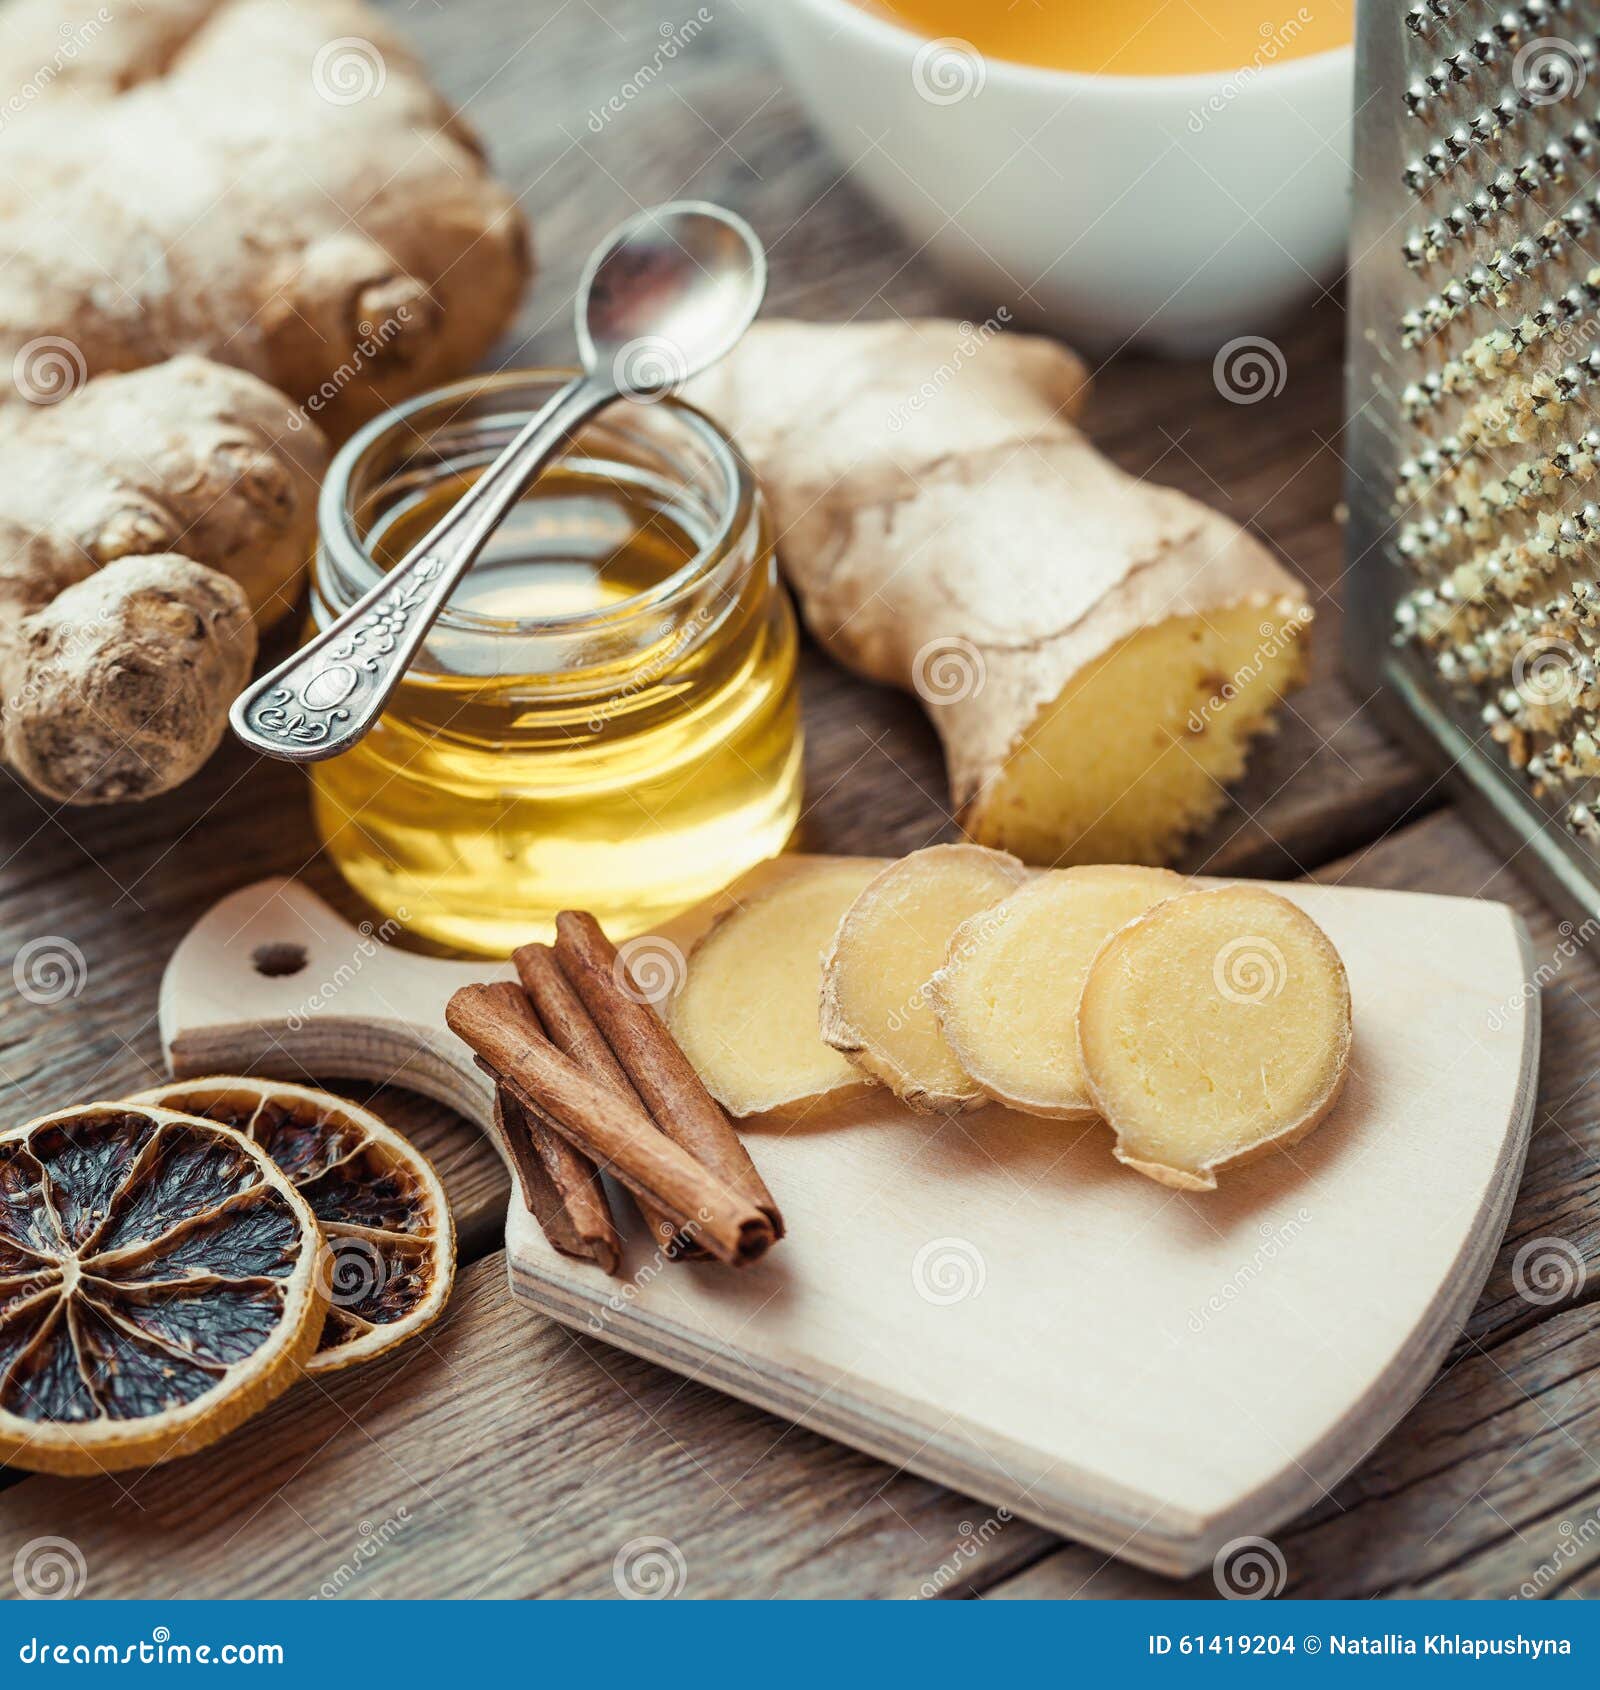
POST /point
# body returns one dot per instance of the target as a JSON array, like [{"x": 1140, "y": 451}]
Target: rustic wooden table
[{"x": 504, "y": 1456}]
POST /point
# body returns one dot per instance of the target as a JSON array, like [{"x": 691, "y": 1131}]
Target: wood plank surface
[{"x": 526, "y": 1458}]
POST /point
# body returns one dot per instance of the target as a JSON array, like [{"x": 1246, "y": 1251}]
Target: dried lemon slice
[
  {"x": 159, "y": 1282},
  {"x": 377, "y": 1198}
]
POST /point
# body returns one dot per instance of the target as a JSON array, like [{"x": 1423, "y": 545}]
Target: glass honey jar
[{"x": 605, "y": 717}]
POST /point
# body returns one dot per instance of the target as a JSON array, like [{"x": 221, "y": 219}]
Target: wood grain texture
[{"x": 123, "y": 884}]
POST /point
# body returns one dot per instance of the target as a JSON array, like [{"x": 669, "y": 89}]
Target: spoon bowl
[{"x": 667, "y": 294}]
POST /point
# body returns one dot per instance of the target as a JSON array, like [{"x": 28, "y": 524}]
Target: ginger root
[
  {"x": 1095, "y": 652},
  {"x": 747, "y": 1013},
  {"x": 273, "y": 184},
  {"x": 876, "y": 1003},
  {"x": 147, "y": 520},
  {"x": 1213, "y": 1029},
  {"x": 1007, "y": 995}
]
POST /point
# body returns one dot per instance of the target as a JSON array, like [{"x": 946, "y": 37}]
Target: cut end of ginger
[
  {"x": 1007, "y": 996},
  {"x": 1131, "y": 759},
  {"x": 877, "y": 1004},
  {"x": 1214, "y": 1029},
  {"x": 747, "y": 1014}
]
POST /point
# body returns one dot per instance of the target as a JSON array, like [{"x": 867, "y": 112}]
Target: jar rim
[{"x": 353, "y": 562}]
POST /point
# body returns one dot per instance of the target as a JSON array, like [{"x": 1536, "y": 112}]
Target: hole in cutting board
[{"x": 277, "y": 958}]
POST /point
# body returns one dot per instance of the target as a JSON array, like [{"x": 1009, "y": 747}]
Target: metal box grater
[{"x": 1473, "y": 589}]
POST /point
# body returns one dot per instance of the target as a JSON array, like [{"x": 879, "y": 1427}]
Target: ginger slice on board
[
  {"x": 746, "y": 1015},
  {"x": 1214, "y": 1029},
  {"x": 1007, "y": 995},
  {"x": 876, "y": 1002}
]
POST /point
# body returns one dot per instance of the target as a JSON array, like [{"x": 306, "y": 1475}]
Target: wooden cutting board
[{"x": 989, "y": 1299}]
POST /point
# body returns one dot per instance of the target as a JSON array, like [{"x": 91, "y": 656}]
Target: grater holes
[
  {"x": 1424, "y": 19},
  {"x": 1512, "y": 39},
  {"x": 1583, "y": 820},
  {"x": 1496, "y": 352},
  {"x": 1441, "y": 159},
  {"x": 1558, "y": 323},
  {"x": 1528, "y": 182},
  {"x": 1491, "y": 125},
  {"x": 1518, "y": 622},
  {"x": 1479, "y": 329},
  {"x": 1477, "y": 513}
]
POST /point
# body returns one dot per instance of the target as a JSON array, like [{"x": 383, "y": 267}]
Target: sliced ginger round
[
  {"x": 1007, "y": 995},
  {"x": 877, "y": 1005},
  {"x": 160, "y": 1281},
  {"x": 381, "y": 1207},
  {"x": 747, "y": 1014},
  {"x": 1214, "y": 1029}
]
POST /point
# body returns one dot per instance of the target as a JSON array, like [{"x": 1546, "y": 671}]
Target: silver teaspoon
[{"x": 664, "y": 296}]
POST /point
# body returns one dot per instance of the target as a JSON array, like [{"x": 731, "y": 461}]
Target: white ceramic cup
[{"x": 1173, "y": 213}]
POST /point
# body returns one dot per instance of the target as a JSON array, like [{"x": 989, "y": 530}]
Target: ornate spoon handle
[{"x": 330, "y": 692}]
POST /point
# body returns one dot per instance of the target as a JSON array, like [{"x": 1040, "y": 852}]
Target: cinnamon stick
[
  {"x": 661, "y": 1074},
  {"x": 560, "y": 1186},
  {"x": 498, "y": 1023},
  {"x": 571, "y": 1030}
]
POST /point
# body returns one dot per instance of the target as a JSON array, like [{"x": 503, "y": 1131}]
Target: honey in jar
[{"x": 605, "y": 717}]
